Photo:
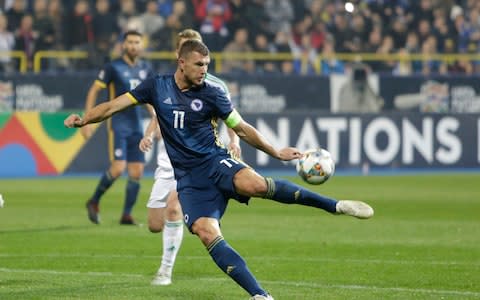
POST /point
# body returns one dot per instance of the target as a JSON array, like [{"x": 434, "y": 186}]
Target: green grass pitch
[{"x": 423, "y": 243}]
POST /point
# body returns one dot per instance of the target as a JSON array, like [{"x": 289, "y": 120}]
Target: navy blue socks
[
  {"x": 286, "y": 192},
  {"x": 234, "y": 266},
  {"x": 133, "y": 187},
  {"x": 105, "y": 182}
]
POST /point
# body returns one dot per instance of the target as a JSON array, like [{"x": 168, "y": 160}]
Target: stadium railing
[
  {"x": 20, "y": 55},
  {"x": 220, "y": 57}
]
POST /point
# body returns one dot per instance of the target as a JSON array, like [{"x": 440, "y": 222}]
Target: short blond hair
[{"x": 188, "y": 34}]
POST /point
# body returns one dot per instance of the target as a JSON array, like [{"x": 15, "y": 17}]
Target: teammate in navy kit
[
  {"x": 207, "y": 176},
  {"x": 124, "y": 129}
]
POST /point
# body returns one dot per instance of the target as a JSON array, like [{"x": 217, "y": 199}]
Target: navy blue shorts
[
  {"x": 205, "y": 190},
  {"x": 124, "y": 146}
]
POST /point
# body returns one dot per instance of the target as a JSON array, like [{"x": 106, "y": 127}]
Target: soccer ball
[{"x": 316, "y": 166}]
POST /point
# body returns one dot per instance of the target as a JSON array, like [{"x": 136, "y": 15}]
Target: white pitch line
[
  {"x": 272, "y": 282},
  {"x": 264, "y": 258}
]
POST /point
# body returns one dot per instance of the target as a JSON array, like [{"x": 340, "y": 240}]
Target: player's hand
[
  {"x": 235, "y": 150},
  {"x": 87, "y": 131},
  {"x": 289, "y": 153},
  {"x": 73, "y": 121},
  {"x": 146, "y": 144}
]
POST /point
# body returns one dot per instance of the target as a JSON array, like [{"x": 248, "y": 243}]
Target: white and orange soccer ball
[{"x": 316, "y": 166}]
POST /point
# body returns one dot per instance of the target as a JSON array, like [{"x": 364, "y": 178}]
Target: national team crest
[
  {"x": 142, "y": 74},
  {"x": 101, "y": 75},
  {"x": 196, "y": 105}
]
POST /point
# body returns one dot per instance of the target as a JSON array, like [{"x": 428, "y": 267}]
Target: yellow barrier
[
  {"x": 37, "y": 59},
  {"x": 20, "y": 55},
  {"x": 219, "y": 57}
]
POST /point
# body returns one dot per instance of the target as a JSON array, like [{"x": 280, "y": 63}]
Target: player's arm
[
  {"x": 92, "y": 96},
  {"x": 252, "y": 136},
  {"x": 234, "y": 144},
  {"x": 100, "y": 112},
  {"x": 152, "y": 131}
]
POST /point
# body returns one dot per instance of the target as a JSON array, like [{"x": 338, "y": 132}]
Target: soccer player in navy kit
[
  {"x": 124, "y": 129},
  {"x": 207, "y": 176}
]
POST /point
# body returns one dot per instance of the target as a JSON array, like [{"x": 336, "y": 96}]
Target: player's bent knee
[
  {"x": 249, "y": 183},
  {"x": 207, "y": 229}
]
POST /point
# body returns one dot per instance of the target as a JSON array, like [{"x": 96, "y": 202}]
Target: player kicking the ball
[
  {"x": 164, "y": 210},
  {"x": 207, "y": 175}
]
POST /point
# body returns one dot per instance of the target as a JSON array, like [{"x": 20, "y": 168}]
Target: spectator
[
  {"x": 213, "y": 16},
  {"x": 300, "y": 28},
  {"x": 43, "y": 24},
  {"x": 183, "y": 13},
  {"x": 280, "y": 14},
  {"x": 330, "y": 64},
  {"x": 239, "y": 45},
  {"x": 255, "y": 17},
  {"x": 341, "y": 32},
  {"x": 282, "y": 45},
  {"x": 165, "y": 37},
  {"x": 386, "y": 48},
  {"x": 429, "y": 65},
  {"x": 7, "y": 43},
  {"x": 318, "y": 35},
  {"x": 263, "y": 47},
  {"x": 127, "y": 18},
  {"x": 79, "y": 34},
  {"x": 398, "y": 32},
  {"x": 165, "y": 8},
  {"x": 15, "y": 14},
  {"x": 404, "y": 65},
  {"x": 305, "y": 57},
  {"x": 105, "y": 24},
  {"x": 151, "y": 20},
  {"x": 423, "y": 29},
  {"x": 55, "y": 12},
  {"x": 25, "y": 39}
]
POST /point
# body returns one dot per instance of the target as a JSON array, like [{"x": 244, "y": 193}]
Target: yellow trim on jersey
[
  {"x": 233, "y": 119},
  {"x": 218, "y": 141},
  {"x": 130, "y": 96},
  {"x": 111, "y": 91},
  {"x": 111, "y": 139},
  {"x": 100, "y": 83}
]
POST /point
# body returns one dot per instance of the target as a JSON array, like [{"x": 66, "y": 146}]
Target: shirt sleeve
[
  {"x": 144, "y": 92},
  {"x": 104, "y": 77},
  {"x": 223, "y": 104}
]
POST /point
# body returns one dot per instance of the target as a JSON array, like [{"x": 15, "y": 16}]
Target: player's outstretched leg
[
  {"x": 105, "y": 182},
  {"x": 286, "y": 192}
]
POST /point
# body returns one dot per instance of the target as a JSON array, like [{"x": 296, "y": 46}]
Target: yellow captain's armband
[
  {"x": 233, "y": 119},
  {"x": 130, "y": 96}
]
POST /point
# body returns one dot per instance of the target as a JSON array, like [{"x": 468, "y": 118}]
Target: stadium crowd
[{"x": 303, "y": 28}]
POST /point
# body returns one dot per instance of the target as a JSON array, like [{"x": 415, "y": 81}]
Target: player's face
[
  {"x": 194, "y": 67},
  {"x": 132, "y": 46}
]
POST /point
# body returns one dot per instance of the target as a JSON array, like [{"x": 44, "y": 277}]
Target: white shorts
[{"x": 160, "y": 191}]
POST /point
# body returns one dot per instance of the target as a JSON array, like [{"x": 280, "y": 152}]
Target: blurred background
[{"x": 382, "y": 84}]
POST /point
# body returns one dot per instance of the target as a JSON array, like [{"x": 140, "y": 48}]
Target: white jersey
[
  {"x": 164, "y": 176},
  {"x": 164, "y": 166}
]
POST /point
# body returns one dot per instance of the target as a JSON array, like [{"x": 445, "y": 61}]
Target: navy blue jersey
[
  {"x": 120, "y": 77},
  {"x": 188, "y": 119}
]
